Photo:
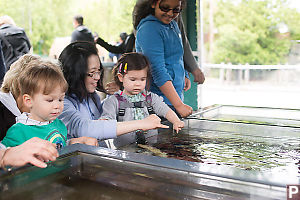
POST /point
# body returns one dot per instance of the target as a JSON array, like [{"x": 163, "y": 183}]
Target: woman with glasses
[
  {"x": 159, "y": 38},
  {"x": 82, "y": 106}
]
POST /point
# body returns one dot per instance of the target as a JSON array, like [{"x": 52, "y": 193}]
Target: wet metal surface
[{"x": 91, "y": 176}]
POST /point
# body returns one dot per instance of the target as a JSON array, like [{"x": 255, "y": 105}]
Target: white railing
[
  {"x": 247, "y": 66},
  {"x": 243, "y": 71}
]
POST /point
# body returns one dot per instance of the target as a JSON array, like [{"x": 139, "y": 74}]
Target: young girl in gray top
[{"x": 133, "y": 102}]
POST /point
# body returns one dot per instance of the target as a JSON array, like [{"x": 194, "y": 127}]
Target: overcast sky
[{"x": 295, "y": 4}]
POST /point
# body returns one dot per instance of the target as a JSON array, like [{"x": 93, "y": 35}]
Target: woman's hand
[
  {"x": 178, "y": 125},
  {"x": 34, "y": 151},
  {"x": 151, "y": 122},
  {"x": 85, "y": 140},
  {"x": 184, "y": 110},
  {"x": 187, "y": 84},
  {"x": 112, "y": 87}
]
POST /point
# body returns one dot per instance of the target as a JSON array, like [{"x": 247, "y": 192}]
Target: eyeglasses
[
  {"x": 166, "y": 10},
  {"x": 95, "y": 74}
]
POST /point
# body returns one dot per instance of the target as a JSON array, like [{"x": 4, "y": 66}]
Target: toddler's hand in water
[{"x": 178, "y": 125}]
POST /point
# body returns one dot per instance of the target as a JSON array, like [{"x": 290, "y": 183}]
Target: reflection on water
[{"x": 233, "y": 148}]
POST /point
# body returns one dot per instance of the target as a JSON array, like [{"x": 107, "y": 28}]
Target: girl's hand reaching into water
[
  {"x": 177, "y": 126},
  {"x": 150, "y": 122}
]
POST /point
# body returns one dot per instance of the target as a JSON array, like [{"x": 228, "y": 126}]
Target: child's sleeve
[
  {"x": 14, "y": 136},
  {"x": 79, "y": 125},
  {"x": 110, "y": 108},
  {"x": 159, "y": 106}
]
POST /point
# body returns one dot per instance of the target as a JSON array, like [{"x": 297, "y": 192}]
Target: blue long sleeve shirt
[
  {"x": 82, "y": 118},
  {"x": 162, "y": 44}
]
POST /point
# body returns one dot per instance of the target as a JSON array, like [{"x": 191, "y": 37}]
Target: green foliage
[
  {"x": 248, "y": 31},
  {"x": 45, "y": 20},
  {"x": 109, "y": 18}
]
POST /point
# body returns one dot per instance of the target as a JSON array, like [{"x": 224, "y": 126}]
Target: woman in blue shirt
[{"x": 159, "y": 38}]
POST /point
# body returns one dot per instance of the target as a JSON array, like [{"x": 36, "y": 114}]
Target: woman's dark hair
[
  {"x": 143, "y": 8},
  {"x": 128, "y": 62},
  {"x": 74, "y": 63}
]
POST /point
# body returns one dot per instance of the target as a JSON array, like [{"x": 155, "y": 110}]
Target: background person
[
  {"x": 81, "y": 32},
  {"x": 82, "y": 105},
  {"x": 116, "y": 56},
  {"x": 126, "y": 46},
  {"x": 190, "y": 63},
  {"x": 14, "y": 40}
]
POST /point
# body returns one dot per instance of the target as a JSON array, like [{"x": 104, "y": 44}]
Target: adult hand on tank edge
[
  {"x": 34, "y": 151},
  {"x": 184, "y": 110}
]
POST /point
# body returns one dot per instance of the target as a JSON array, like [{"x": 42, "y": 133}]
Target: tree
[
  {"x": 47, "y": 19},
  {"x": 248, "y": 33},
  {"x": 109, "y": 18}
]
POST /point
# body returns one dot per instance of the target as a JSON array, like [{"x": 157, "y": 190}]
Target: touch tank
[{"x": 224, "y": 152}]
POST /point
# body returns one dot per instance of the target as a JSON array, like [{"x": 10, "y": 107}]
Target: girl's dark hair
[
  {"x": 74, "y": 63},
  {"x": 143, "y": 8},
  {"x": 132, "y": 61}
]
